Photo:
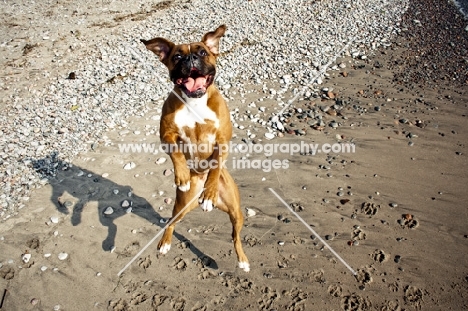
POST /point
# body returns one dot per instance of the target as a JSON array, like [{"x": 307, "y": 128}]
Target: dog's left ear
[{"x": 211, "y": 39}]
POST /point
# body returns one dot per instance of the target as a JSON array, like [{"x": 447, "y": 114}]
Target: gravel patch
[{"x": 266, "y": 41}]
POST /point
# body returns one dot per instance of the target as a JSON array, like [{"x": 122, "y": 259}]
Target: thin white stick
[
  {"x": 160, "y": 232},
  {"x": 313, "y": 231},
  {"x": 200, "y": 119}
]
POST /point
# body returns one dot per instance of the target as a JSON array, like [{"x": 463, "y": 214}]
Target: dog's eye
[
  {"x": 203, "y": 53},
  {"x": 177, "y": 57}
]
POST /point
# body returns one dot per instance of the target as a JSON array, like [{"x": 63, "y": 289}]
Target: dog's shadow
[{"x": 73, "y": 187}]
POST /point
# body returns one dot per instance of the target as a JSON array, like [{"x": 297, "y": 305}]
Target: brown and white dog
[{"x": 195, "y": 129}]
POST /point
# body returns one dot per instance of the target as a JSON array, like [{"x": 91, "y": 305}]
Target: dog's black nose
[{"x": 191, "y": 58}]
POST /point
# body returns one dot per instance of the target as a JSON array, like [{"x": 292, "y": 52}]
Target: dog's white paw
[
  {"x": 165, "y": 248},
  {"x": 207, "y": 205},
  {"x": 185, "y": 188},
  {"x": 244, "y": 266}
]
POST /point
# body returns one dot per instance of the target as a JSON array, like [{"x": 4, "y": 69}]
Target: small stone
[
  {"x": 128, "y": 210},
  {"x": 26, "y": 258},
  {"x": 161, "y": 160},
  {"x": 355, "y": 243},
  {"x": 281, "y": 243},
  {"x": 105, "y": 175},
  {"x": 168, "y": 200},
  {"x": 54, "y": 219},
  {"x": 126, "y": 203},
  {"x": 162, "y": 221},
  {"x": 129, "y": 166},
  {"x": 397, "y": 258},
  {"x": 393, "y": 205},
  {"x": 269, "y": 136},
  {"x": 333, "y": 124},
  {"x": 56, "y": 307},
  {"x": 167, "y": 172},
  {"x": 35, "y": 301},
  {"x": 47, "y": 255},
  {"x": 62, "y": 256},
  {"x": 43, "y": 268},
  {"x": 251, "y": 212},
  {"x": 115, "y": 191},
  {"x": 328, "y": 237},
  {"x": 109, "y": 210}
]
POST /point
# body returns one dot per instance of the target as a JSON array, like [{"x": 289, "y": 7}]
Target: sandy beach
[{"x": 385, "y": 188}]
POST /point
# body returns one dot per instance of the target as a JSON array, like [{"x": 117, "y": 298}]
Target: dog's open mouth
[{"x": 196, "y": 84}]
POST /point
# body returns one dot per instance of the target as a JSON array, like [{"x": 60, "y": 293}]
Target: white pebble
[
  {"x": 62, "y": 256},
  {"x": 269, "y": 135},
  {"x": 54, "y": 219},
  {"x": 251, "y": 212},
  {"x": 129, "y": 166},
  {"x": 26, "y": 258},
  {"x": 43, "y": 268},
  {"x": 160, "y": 161},
  {"x": 109, "y": 210}
]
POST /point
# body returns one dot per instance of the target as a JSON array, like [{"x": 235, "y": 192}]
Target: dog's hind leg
[
  {"x": 183, "y": 199},
  {"x": 229, "y": 202}
]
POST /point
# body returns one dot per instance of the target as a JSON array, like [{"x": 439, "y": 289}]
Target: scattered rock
[{"x": 129, "y": 166}]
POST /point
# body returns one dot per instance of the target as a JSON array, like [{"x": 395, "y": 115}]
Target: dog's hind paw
[
  {"x": 244, "y": 266},
  {"x": 185, "y": 188},
  {"x": 207, "y": 205},
  {"x": 165, "y": 248}
]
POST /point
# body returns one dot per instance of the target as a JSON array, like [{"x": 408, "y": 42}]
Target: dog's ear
[
  {"x": 211, "y": 39},
  {"x": 159, "y": 46}
]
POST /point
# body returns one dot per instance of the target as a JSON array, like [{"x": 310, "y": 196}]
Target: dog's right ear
[{"x": 159, "y": 46}]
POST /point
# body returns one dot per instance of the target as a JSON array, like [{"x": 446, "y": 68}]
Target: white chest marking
[{"x": 195, "y": 110}]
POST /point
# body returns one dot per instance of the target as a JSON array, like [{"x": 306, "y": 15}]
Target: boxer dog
[{"x": 195, "y": 129}]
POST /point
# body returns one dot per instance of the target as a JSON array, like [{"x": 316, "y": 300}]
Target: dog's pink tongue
[{"x": 194, "y": 84}]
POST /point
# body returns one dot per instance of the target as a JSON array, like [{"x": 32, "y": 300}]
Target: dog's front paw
[
  {"x": 208, "y": 199},
  {"x": 206, "y": 205},
  {"x": 184, "y": 188},
  {"x": 182, "y": 179}
]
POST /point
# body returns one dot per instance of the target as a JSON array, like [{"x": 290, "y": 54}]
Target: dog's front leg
[
  {"x": 181, "y": 169},
  {"x": 209, "y": 197}
]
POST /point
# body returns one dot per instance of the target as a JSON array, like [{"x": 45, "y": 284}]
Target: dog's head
[{"x": 192, "y": 66}]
